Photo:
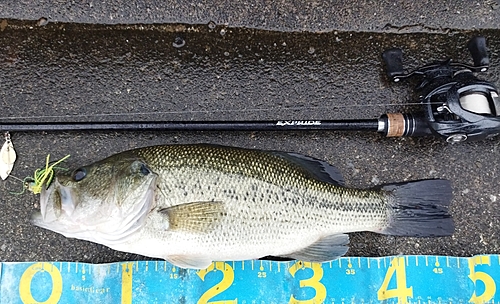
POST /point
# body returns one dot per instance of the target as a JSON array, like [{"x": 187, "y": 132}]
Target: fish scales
[
  {"x": 274, "y": 181},
  {"x": 249, "y": 163},
  {"x": 193, "y": 204}
]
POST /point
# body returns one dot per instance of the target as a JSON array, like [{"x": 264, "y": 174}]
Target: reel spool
[{"x": 476, "y": 103}]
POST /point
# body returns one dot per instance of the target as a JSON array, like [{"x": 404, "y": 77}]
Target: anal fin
[
  {"x": 325, "y": 249},
  {"x": 189, "y": 262}
]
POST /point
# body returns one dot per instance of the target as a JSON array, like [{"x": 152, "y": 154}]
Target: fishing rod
[{"x": 457, "y": 106}]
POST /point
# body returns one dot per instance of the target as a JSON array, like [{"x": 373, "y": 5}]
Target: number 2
[{"x": 225, "y": 283}]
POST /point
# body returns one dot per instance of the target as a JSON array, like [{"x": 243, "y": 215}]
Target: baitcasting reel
[{"x": 457, "y": 105}]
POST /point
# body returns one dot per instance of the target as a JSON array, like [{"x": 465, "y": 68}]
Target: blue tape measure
[{"x": 397, "y": 279}]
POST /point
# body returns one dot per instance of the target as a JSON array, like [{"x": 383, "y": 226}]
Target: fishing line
[{"x": 203, "y": 111}]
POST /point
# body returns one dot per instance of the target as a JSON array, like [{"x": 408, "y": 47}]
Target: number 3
[{"x": 313, "y": 282}]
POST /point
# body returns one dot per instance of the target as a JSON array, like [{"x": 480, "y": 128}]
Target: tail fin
[{"x": 420, "y": 208}]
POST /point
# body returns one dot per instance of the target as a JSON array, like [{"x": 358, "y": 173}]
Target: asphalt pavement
[{"x": 226, "y": 60}]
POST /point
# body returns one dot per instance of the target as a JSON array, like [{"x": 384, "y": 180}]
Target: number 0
[{"x": 27, "y": 277}]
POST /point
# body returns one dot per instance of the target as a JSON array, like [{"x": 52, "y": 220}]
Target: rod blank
[{"x": 281, "y": 125}]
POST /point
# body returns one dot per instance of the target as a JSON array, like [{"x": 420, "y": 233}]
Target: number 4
[{"x": 401, "y": 291}]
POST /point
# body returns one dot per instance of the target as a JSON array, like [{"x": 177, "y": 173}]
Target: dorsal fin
[{"x": 319, "y": 169}]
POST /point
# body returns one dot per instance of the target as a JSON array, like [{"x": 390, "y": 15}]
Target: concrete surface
[
  {"x": 318, "y": 15},
  {"x": 91, "y": 66}
]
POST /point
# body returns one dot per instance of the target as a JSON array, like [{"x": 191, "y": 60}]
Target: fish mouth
[
  {"x": 38, "y": 217},
  {"x": 54, "y": 200},
  {"x": 44, "y": 199},
  {"x": 59, "y": 213}
]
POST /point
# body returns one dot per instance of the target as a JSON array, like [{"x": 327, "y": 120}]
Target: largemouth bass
[{"x": 194, "y": 204}]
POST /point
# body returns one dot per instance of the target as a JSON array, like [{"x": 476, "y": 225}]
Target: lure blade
[
  {"x": 5, "y": 170},
  {"x": 7, "y": 158},
  {"x": 8, "y": 154}
]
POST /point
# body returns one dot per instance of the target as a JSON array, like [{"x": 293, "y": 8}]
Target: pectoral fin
[
  {"x": 325, "y": 249},
  {"x": 194, "y": 217}
]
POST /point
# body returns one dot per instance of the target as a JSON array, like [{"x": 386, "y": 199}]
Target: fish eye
[
  {"x": 79, "y": 174},
  {"x": 144, "y": 169}
]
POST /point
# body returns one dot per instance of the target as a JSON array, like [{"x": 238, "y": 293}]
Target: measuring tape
[{"x": 396, "y": 279}]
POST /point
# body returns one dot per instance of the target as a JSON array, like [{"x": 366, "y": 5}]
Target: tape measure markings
[{"x": 397, "y": 279}]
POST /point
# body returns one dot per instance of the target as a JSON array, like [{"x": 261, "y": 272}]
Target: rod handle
[{"x": 399, "y": 124}]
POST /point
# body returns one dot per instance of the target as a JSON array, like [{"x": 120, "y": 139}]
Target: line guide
[{"x": 394, "y": 279}]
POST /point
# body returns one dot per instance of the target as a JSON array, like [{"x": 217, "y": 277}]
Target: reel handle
[
  {"x": 393, "y": 59},
  {"x": 479, "y": 52}
]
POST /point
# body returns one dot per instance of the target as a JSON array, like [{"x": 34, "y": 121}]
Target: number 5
[{"x": 489, "y": 283}]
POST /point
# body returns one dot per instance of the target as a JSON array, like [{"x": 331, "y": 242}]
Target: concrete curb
[{"x": 315, "y": 16}]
